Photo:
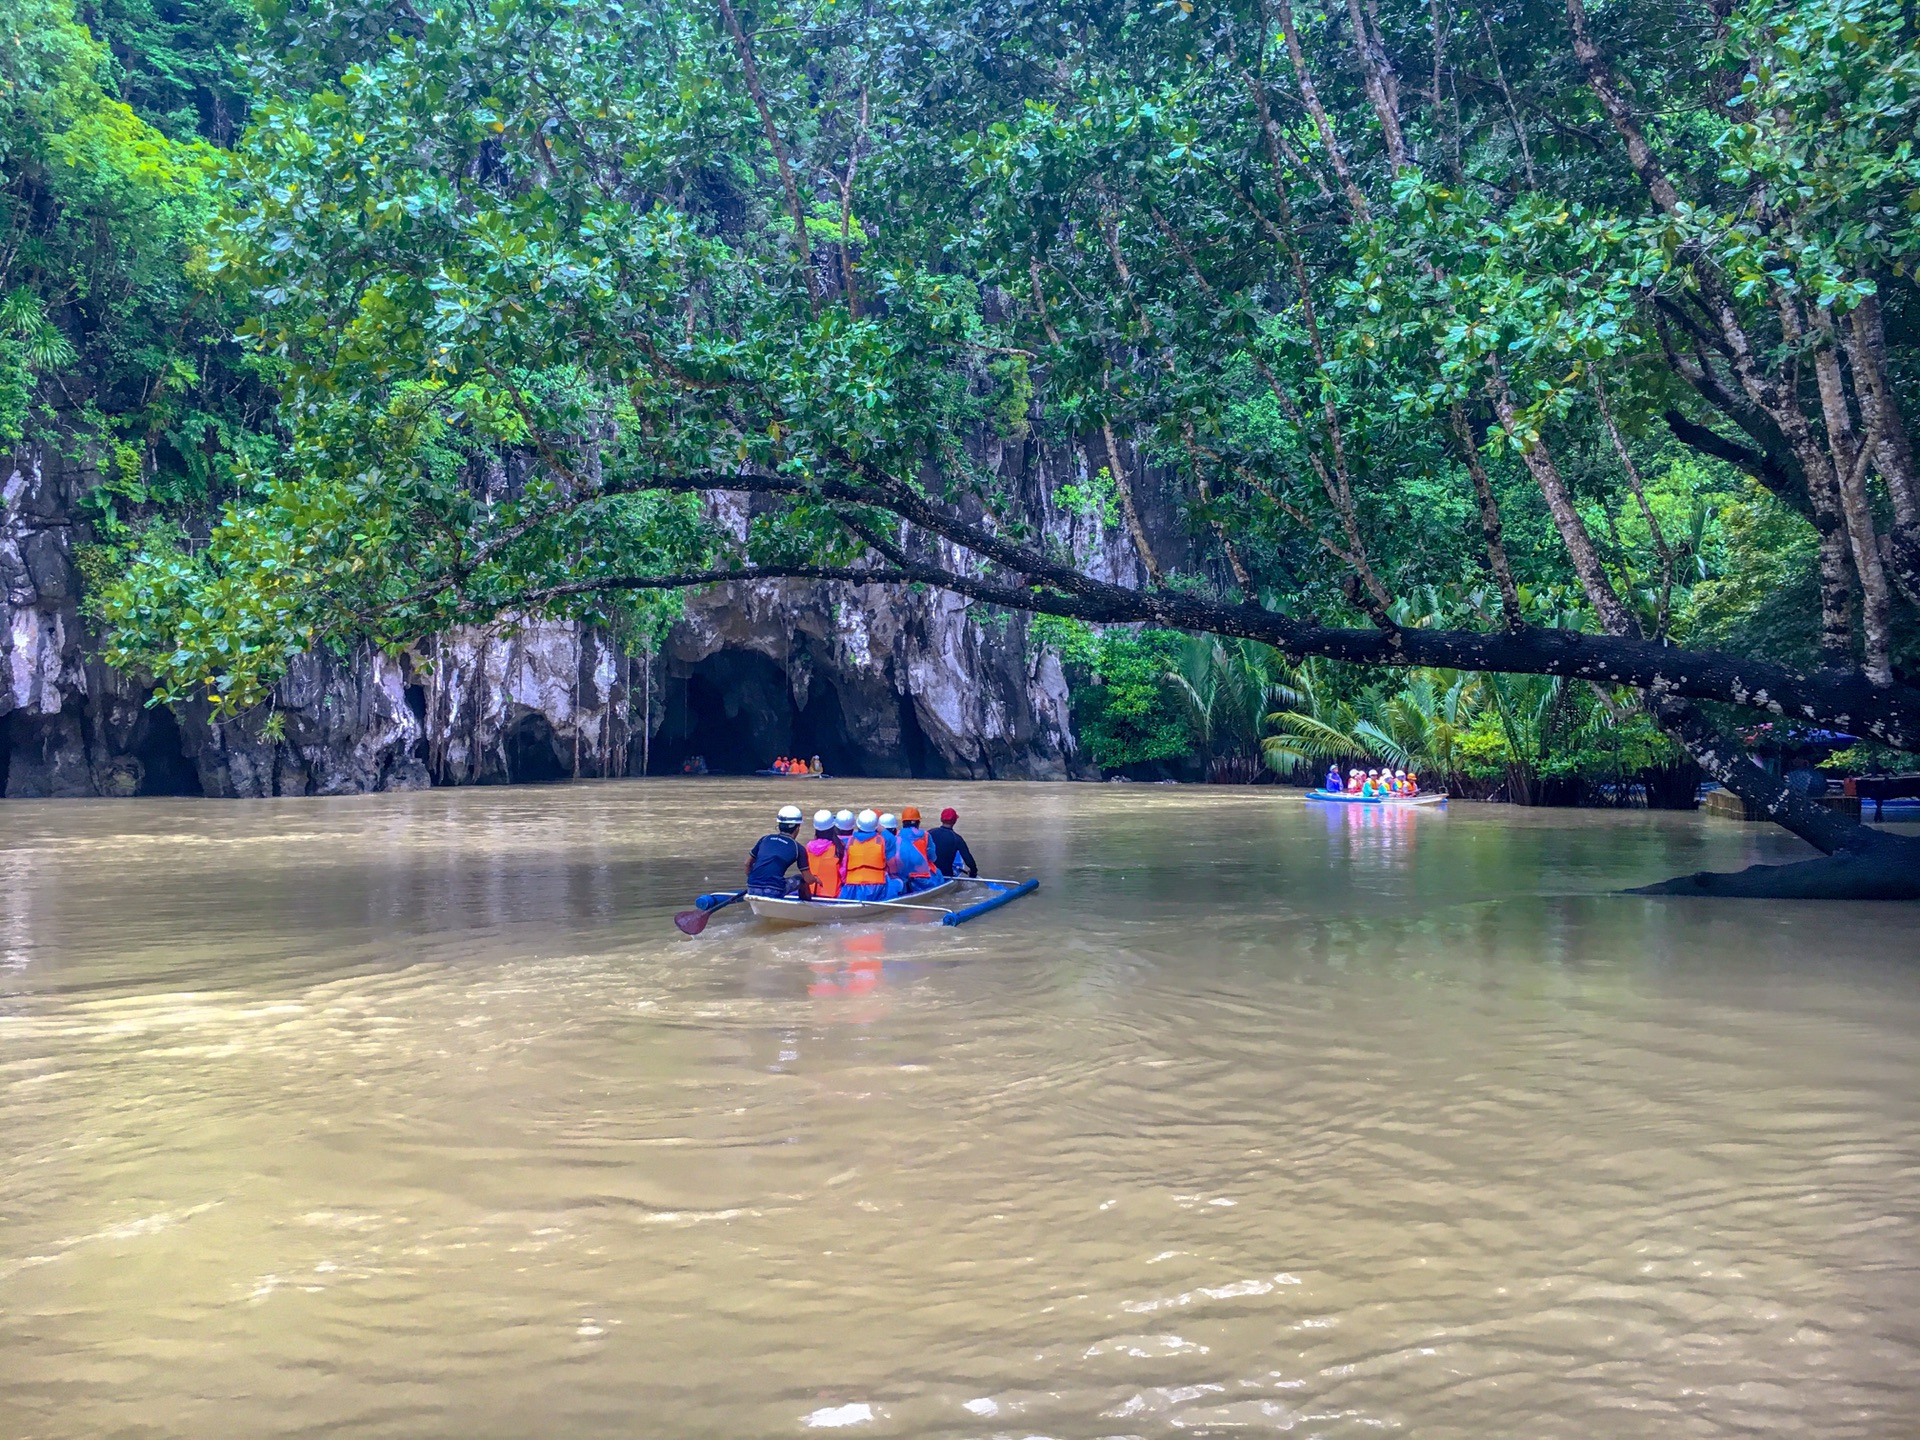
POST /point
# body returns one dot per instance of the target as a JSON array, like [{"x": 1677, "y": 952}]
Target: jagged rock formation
[
  {"x": 880, "y": 682},
  {"x": 345, "y": 729},
  {"x": 69, "y": 725},
  {"x": 523, "y": 702},
  {"x": 874, "y": 681}
]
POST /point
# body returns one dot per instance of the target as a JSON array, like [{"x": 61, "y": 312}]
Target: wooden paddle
[{"x": 692, "y": 922}]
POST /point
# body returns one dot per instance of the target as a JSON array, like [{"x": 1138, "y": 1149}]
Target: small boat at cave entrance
[{"x": 1391, "y": 802}]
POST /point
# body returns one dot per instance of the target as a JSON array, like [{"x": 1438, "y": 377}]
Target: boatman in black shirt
[
  {"x": 948, "y": 846},
  {"x": 773, "y": 855}
]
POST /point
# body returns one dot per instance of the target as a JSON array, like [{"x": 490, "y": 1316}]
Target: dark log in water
[{"x": 1885, "y": 867}]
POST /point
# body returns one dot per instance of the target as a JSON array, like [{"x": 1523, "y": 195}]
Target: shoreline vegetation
[{"x": 1521, "y": 391}]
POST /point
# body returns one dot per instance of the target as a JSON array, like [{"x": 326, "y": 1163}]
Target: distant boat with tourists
[{"x": 1333, "y": 797}]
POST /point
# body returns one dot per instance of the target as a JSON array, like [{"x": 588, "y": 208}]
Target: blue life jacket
[{"x": 915, "y": 853}]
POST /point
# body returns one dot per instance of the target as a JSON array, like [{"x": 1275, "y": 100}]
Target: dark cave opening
[
  {"x": 416, "y": 697},
  {"x": 164, "y": 766},
  {"x": 736, "y": 710},
  {"x": 533, "y": 752},
  {"x": 923, "y": 760},
  {"x": 733, "y": 709},
  {"x": 821, "y": 729},
  {"x": 723, "y": 731}
]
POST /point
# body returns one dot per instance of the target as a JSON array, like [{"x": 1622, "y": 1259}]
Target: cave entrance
[
  {"x": 924, "y": 761},
  {"x": 416, "y": 698},
  {"x": 164, "y": 767},
  {"x": 735, "y": 709},
  {"x": 533, "y": 752},
  {"x": 821, "y": 729}
]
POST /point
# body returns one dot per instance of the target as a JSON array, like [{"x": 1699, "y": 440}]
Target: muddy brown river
[{"x": 413, "y": 1116}]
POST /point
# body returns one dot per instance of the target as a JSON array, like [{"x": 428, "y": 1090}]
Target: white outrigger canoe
[
  {"x": 783, "y": 911},
  {"x": 916, "y": 906},
  {"x": 1395, "y": 802}
]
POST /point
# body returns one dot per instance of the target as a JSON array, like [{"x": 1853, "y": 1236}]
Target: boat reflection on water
[
  {"x": 858, "y": 972},
  {"x": 1377, "y": 836},
  {"x": 854, "y": 968}
]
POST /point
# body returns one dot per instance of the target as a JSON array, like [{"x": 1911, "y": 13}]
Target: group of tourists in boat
[
  {"x": 1380, "y": 784},
  {"x": 857, "y": 857},
  {"x": 794, "y": 765}
]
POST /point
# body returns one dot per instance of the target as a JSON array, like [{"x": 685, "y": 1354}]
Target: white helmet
[
  {"x": 790, "y": 816},
  {"x": 843, "y": 820},
  {"x": 823, "y": 820},
  {"x": 866, "y": 820},
  {"x": 889, "y": 821}
]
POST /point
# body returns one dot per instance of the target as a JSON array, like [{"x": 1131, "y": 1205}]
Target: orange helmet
[{"x": 910, "y": 815}]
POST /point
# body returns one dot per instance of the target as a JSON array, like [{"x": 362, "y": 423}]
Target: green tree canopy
[{"x": 1408, "y": 311}]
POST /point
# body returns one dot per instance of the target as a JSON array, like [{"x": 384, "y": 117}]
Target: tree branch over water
[{"x": 1840, "y": 700}]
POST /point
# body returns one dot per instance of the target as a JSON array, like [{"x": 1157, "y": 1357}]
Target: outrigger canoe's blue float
[{"x": 1396, "y": 801}]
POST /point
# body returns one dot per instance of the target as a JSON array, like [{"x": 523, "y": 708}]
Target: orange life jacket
[
  {"x": 866, "y": 861},
  {"x": 823, "y": 869}
]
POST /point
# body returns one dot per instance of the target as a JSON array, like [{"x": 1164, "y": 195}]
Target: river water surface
[{"x": 413, "y": 1116}]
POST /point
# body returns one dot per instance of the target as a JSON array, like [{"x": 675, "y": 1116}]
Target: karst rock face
[
  {"x": 69, "y": 725},
  {"x": 875, "y": 681}
]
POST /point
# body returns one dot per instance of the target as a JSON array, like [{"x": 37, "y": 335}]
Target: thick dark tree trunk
[
  {"x": 1838, "y": 699},
  {"x": 1860, "y": 863},
  {"x": 1826, "y": 830}
]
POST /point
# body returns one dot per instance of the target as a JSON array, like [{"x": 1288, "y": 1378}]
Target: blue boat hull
[{"x": 1397, "y": 801}]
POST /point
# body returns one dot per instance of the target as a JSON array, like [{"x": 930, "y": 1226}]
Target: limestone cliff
[
  {"x": 69, "y": 725},
  {"x": 874, "y": 681}
]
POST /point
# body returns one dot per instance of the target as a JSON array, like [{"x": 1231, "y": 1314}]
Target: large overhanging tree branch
[
  {"x": 533, "y": 314},
  {"x": 1034, "y": 582},
  {"x": 1824, "y": 699}
]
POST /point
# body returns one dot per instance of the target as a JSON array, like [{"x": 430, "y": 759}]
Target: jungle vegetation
[{"x": 1552, "y": 339}]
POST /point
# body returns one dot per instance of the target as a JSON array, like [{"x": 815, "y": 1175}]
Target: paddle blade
[{"x": 692, "y": 922}]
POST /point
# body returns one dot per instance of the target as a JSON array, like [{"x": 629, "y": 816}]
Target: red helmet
[{"x": 949, "y": 815}]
